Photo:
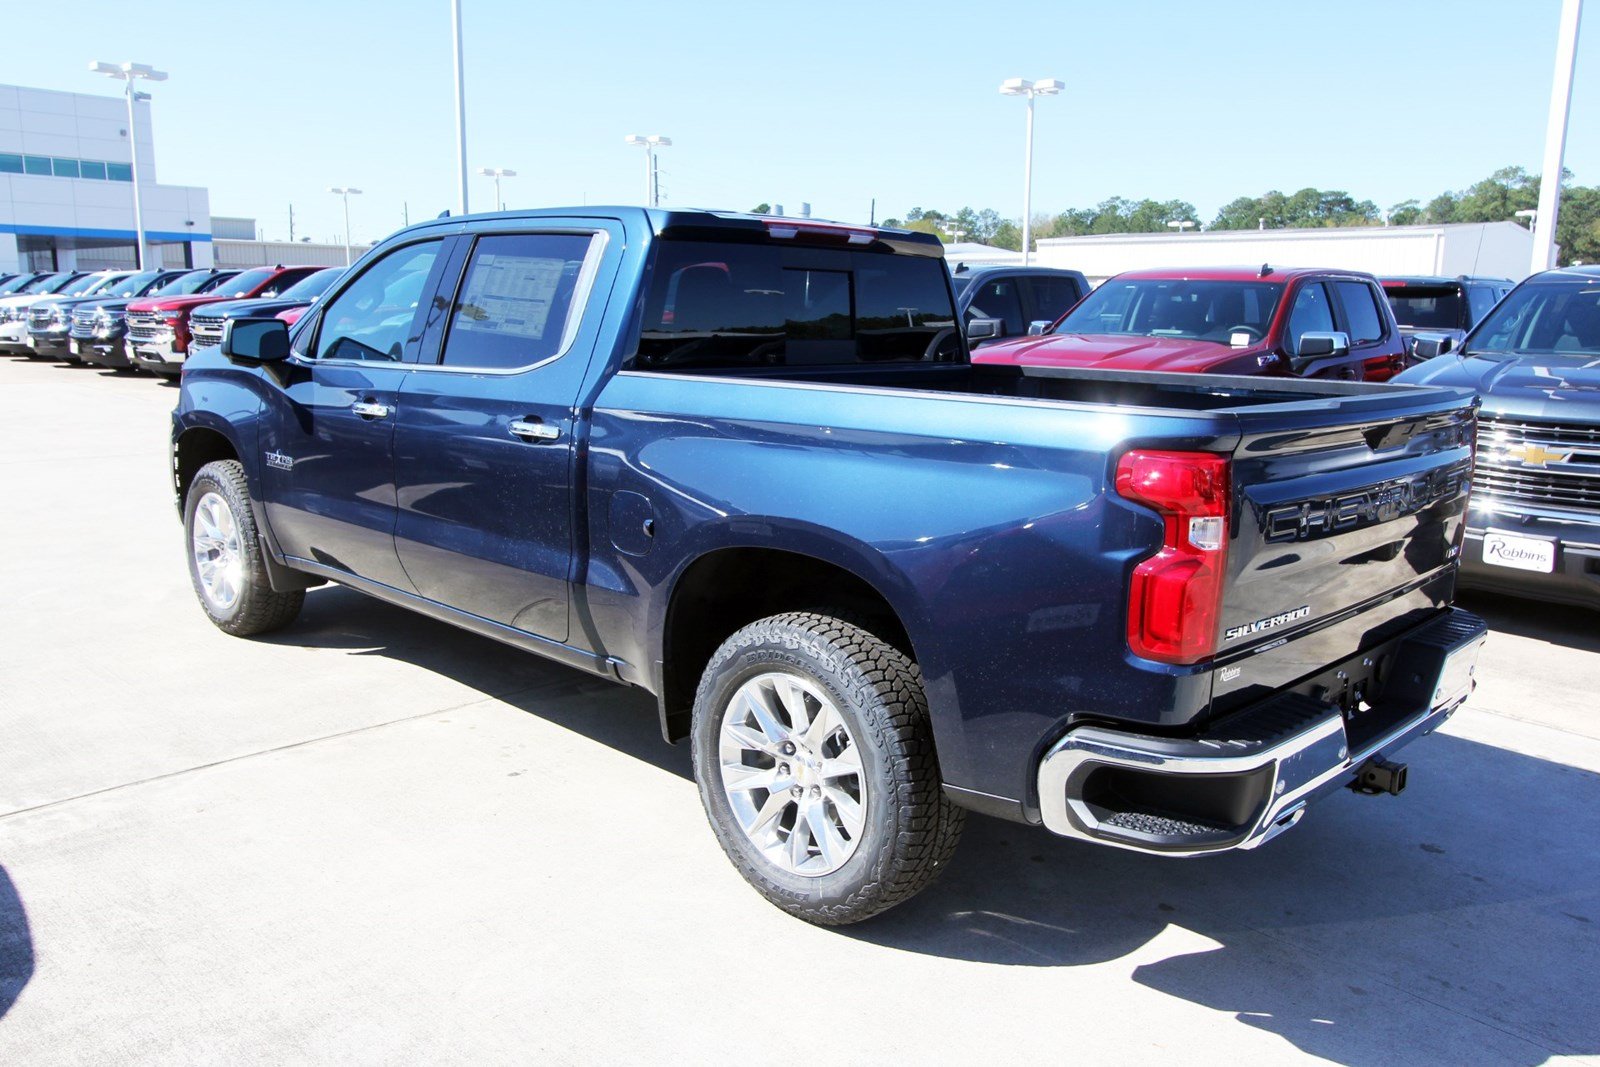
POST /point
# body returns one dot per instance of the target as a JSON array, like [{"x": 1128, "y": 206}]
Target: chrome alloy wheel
[
  {"x": 218, "y": 560},
  {"x": 792, "y": 774}
]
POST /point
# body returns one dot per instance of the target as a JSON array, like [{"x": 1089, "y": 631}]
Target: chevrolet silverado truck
[
  {"x": 1534, "y": 526},
  {"x": 14, "y": 307},
  {"x": 47, "y": 324},
  {"x": 1299, "y": 322},
  {"x": 50, "y": 322},
  {"x": 746, "y": 464},
  {"x": 100, "y": 328},
  {"x": 158, "y": 327},
  {"x": 205, "y": 325}
]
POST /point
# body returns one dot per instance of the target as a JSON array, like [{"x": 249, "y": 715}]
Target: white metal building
[
  {"x": 980, "y": 255},
  {"x": 66, "y": 186},
  {"x": 1500, "y": 249}
]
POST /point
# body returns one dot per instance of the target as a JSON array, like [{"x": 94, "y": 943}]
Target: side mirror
[
  {"x": 1039, "y": 327},
  {"x": 1310, "y": 347},
  {"x": 983, "y": 329},
  {"x": 255, "y": 340},
  {"x": 1431, "y": 345}
]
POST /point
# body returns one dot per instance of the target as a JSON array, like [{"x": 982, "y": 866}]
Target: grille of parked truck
[{"x": 746, "y": 464}]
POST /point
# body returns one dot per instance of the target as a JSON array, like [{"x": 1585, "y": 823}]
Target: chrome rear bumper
[{"x": 1255, "y": 776}]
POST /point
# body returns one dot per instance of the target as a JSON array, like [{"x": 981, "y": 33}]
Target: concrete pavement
[{"x": 373, "y": 838}]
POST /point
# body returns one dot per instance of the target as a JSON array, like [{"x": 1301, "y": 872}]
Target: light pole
[
  {"x": 1029, "y": 89},
  {"x": 347, "y": 193},
  {"x": 1555, "y": 138},
  {"x": 652, "y": 182},
  {"x": 461, "y": 106},
  {"x": 129, "y": 73},
  {"x": 1180, "y": 225},
  {"x": 497, "y": 173}
]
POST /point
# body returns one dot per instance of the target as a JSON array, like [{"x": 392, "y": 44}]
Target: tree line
[{"x": 1494, "y": 199}]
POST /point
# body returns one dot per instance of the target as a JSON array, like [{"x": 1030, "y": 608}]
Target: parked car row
[
  {"x": 148, "y": 320},
  {"x": 1536, "y": 521}
]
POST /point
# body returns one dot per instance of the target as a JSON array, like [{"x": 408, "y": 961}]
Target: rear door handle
[
  {"x": 370, "y": 409},
  {"x": 534, "y": 430}
]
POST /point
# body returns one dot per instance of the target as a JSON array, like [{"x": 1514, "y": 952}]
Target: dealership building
[{"x": 66, "y": 187}]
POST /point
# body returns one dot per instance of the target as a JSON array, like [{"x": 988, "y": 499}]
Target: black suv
[
  {"x": 1448, "y": 306},
  {"x": 999, "y": 303}
]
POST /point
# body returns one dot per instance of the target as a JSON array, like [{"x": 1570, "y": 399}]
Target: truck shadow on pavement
[
  {"x": 620, "y": 718},
  {"x": 16, "y": 944},
  {"x": 1460, "y": 922},
  {"x": 1379, "y": 924},
  {"x": 1559, "y": 624}
]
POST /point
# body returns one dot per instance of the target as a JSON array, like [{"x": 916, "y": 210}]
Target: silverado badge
[{"x": 1271, "y": 622}]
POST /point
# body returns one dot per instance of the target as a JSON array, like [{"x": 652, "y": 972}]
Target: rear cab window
[
  {"x": 725, "y": 305},
  {"x": 1426, "y": 307}
]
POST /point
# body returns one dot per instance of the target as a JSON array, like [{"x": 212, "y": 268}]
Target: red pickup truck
[
  {"x": 1306, "y": 322},
  {"x": 158, "y": 327}
]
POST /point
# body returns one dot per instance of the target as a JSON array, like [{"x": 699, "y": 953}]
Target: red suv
[
  {"x": 1223, "y": 320},
  {"x": 158, "y": 328}
]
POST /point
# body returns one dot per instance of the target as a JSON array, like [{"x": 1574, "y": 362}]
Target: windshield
[
  {"x": 312, "y": 286},
  {"x": 102, "y": 286},
  {"x": 53, "y": 283},
  {"x": 961, "y": 281},
  {"x": 15, "y": 285},
  {"x": 1224, "y": 312},
  {"x": 244, "y": 284},
  {"x": 1543, "y": 318},
  {"x": 193, "y": 282},
  {"x": 767, "y": 305},
  {"x": 134, "y": 284},
  {"x": 1427, "y": 307}
]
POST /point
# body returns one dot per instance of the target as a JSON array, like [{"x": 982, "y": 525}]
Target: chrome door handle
[
  {"x": 534, "y": 431},
  {"x": 367, "y": 409}
]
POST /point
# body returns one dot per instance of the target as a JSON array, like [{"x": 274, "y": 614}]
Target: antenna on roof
[
  {"x": 443, "y": 214},
  {"x": 1266, "y": 269}
]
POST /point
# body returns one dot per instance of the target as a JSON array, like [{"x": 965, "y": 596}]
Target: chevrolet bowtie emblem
[{"x": 1536, "y": 455}]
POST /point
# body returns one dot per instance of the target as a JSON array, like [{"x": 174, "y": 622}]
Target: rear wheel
[
  {"x": 816, "y": 766},
  {"x": 225, "y": 555}
]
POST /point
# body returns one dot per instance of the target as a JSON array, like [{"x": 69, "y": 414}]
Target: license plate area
[{"x": 1519, "y": 552}]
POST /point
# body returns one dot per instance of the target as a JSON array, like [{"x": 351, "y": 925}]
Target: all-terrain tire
[
  {"x": 255, "y": 608},
  {"x": 909, "y": 829}
]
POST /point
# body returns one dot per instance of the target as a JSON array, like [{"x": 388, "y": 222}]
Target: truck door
[
  {"x": 327, "y": 431},
  {"x": 484, "y": 447}
]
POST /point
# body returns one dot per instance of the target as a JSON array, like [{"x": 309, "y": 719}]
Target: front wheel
[
  {"x": 225, "y": 555},
  {"x": 816, "y": 765}
]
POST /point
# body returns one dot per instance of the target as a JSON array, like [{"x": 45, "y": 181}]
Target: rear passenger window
[
  {"x": 1310, "y": 313},
  {"x": 1480, "y": 298},
  {"x": 1051, "y": 298},
  {"x": 515, "y": 303},
  {"x": 1361, "y": 309}
]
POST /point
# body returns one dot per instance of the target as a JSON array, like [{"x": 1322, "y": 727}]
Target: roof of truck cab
[
  {"x": 703, "y": 221},
  {"x": 1273, "y": 273}
]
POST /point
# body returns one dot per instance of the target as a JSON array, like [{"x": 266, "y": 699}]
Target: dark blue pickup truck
[
  {"x": 745, "y": 464},
  {"x": 1534, "y": 528}
]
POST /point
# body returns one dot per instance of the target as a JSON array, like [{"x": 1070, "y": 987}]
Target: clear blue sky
[{"x": 832, "y": 103}]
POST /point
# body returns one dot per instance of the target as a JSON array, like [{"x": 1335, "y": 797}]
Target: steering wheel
[{"x": 1255, "y": 334}]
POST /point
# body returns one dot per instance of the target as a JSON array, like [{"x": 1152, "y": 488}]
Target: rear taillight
[{"x": 1175, "y": 600}]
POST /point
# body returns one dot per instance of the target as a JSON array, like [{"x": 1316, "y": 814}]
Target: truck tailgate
[{"x": 1347, "y": 524}]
